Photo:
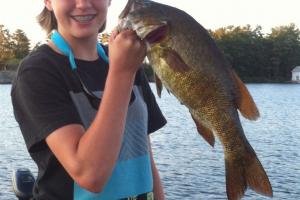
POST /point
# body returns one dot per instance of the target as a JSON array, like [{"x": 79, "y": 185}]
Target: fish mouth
[
  {"x": 153, "y": 33},
  {"x": 147, "y": 28},
  {"x": 83, "y": 18}
]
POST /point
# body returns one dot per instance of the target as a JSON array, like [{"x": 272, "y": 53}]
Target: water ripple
[{"x": 190, "y": 169}]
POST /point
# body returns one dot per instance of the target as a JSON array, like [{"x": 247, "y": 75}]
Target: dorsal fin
[{"x": 244, "y": 100}]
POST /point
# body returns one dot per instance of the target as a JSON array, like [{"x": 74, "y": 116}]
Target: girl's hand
[{"x": 126, "y": 51}]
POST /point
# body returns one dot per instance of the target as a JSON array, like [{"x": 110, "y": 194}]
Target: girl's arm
[
  {"x": 157, "y": 185},
  {"x": 89, "y": 155}
]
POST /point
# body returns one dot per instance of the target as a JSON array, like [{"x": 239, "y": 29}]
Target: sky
[{"x": 212, "y": 14}]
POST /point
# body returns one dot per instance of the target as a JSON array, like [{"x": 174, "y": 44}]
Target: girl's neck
[{"x": 82, "y": 48}]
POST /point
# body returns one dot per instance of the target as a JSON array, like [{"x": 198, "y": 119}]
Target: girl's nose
[{"x": 83, "y": 4}]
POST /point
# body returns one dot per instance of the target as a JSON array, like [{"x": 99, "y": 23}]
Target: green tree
[
  {"x": 6, "y": 50},
  {"x": 245, "y": 48},
  {"x": 37, "y": 45},
  {"x": 259, "y": 58},
  {"x": 21, "y": 44},
  {"x": 285, "y": 50}
]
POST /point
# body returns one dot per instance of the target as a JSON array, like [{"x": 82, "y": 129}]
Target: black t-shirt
[{"x": 45, "y": 96}]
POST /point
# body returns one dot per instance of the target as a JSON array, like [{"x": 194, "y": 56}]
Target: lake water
[{"x": 190, "y": 169}]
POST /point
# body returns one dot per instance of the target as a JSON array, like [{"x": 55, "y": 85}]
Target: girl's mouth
[{"x": 83, "y": 18}]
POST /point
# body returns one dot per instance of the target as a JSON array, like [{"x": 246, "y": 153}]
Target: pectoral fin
[
  {"x": 159, "y": 86},
  {"x": 245, "y": 102},
  {"x": 175, "y": 61},
  {"x": 206, "y": 133}
]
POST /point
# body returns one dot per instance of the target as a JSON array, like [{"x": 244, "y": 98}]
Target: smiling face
[{"x": 79, "y": 18}]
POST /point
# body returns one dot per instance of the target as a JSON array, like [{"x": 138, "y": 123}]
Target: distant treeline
[{"x": 255, "y": 56}]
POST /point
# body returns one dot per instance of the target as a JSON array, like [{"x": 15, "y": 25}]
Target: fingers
[
  {"x": 126, "y": 34},
  {"x": 128, "y": 44},
  {"x": 114, "y": 34},
  {"x": 133, "y": 37},
  {"x": 129, "y": 33},
  {"x": 126, "y": 50}
]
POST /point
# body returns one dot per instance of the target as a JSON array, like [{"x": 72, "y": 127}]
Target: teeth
[{"x": 84, "y": 19}]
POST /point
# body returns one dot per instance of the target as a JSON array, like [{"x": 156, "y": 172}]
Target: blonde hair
[{"x": 48, "y": 22}]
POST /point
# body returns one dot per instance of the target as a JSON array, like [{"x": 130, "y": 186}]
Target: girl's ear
[{"x": 48, "y": 5}]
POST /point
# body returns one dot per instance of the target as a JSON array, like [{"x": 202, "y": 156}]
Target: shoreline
[{"x": 7, "y": 76}]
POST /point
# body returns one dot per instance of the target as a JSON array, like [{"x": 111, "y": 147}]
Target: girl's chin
[
  {"x": 84, "y": 29},
  {"x": 85, "y": 33}
]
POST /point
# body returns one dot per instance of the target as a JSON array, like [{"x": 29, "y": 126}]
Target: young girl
[{"x": 86, "y": 123}]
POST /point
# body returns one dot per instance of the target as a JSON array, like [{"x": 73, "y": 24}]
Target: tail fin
[
  {"x": 241, "y": 173},
  {"x": 257, "y": 178}
]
